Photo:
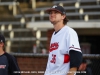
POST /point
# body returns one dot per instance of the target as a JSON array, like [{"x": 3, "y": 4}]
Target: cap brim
[{"x": 52, "y": 9}]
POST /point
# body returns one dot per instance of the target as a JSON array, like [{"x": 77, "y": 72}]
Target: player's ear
[{"x": 63, "y": 16}]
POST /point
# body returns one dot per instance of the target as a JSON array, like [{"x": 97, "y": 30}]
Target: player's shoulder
[
  {"x": 70, "y": 30},
  {"x": 9, "y": 55}
]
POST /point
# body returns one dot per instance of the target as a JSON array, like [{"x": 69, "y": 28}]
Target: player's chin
[{"x": 53, "y": 22}]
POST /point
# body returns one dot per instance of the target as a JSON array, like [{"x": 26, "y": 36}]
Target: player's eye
[{"x": 50, "y": 12}]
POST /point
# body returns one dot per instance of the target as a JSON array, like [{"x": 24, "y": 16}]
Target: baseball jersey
[
  {"x": 3, "y": 65},
  {"x": 61, "y": 43},
  {"x": 8, "y": 65}
]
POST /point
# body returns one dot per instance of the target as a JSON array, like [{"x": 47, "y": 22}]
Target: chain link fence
[{"x": 93, "y": 61}]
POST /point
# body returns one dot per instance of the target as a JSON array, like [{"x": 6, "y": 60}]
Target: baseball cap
[
  {"x": 58, "y": 8},
  {"x": 2, "y": 38}
]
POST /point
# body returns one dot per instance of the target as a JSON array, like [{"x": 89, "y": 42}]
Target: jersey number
[{"x": 53, "y": 59}]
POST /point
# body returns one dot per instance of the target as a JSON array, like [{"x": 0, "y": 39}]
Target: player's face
[
  {"x": 56, "y": 17},
  {"x": 1, "y": 44}
]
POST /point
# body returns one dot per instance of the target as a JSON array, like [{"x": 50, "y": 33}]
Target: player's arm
[
  {"x": 72, "y": 71},
  {"x": 75, "y": 61},
  {"x": 14, "y": 68}
]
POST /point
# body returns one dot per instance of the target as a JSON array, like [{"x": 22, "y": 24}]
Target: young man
[
  {"x": 8, "y": 64},
  {"x": 64, "y": 54}
]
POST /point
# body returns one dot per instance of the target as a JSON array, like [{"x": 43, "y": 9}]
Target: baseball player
[
  {"x": 8, "y": 63},
  {"x": 65, "y": 54}
]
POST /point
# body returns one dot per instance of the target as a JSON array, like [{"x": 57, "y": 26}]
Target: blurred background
[{"x": 27, "y": 29}]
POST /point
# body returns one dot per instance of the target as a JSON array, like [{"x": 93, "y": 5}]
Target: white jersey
[{"x": 61, "y": 43}]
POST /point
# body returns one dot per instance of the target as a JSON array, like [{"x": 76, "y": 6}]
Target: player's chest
[
  {"x": 57, "y": 44},
  {"x": 3, "y": 62}
]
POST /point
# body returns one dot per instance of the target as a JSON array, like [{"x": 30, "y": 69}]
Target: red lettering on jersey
[
  {"x": 53, "y": 46},
  {"x": 66, "y": 58},
  {"x": 2, "y": 66},
  {"x": 53, "y": 59}
]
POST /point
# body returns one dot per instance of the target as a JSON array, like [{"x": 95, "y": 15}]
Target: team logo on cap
[
  {"x": 1, "y": 41},
  {"x": 54, "y": 6}
]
